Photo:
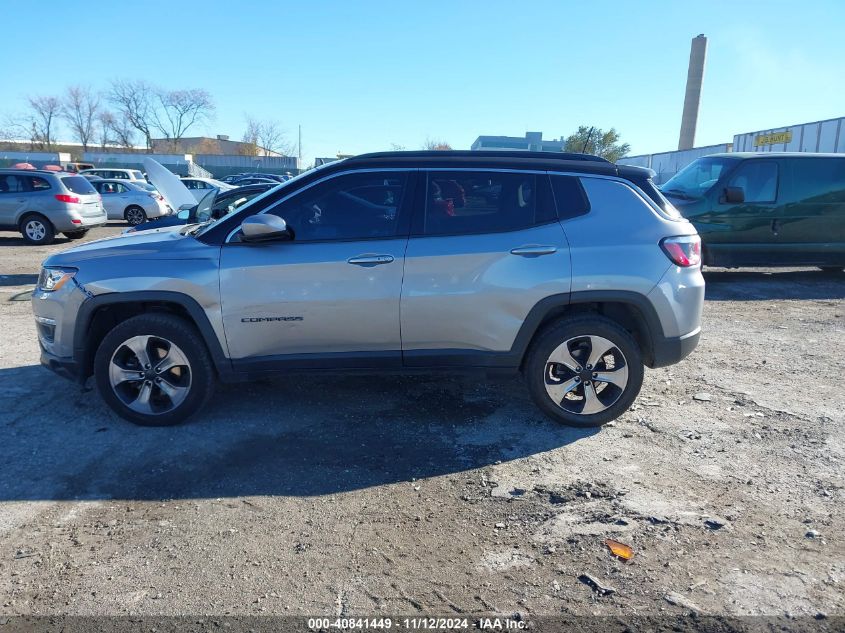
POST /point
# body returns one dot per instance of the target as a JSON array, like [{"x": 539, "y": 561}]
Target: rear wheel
[
  {"x": 36, "y": 229},
  {"x": 154, "y": 370},
  {"x": 134, "y": 216},
  {"x": 584, "y": 371},
  {"x": 75, "y": 235}
]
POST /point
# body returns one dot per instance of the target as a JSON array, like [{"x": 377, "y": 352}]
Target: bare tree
[
  {"x": 80, "y": 109},
  {"x": 102, "y": 130},
  {"x": 41, "y": 120},
  {"x": 251, "y": 135},
  {"x": 135, "y": 103},
  {"x": 267, "y": 136},
  {"x": 115, "y": 129},
  {"x": 431, "y": 144},
  {"x": 272, "y": 138},
  {"x": 396, "y": 147},
  {"x": 178, "y": 110}
]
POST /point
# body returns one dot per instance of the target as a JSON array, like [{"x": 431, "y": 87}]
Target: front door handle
[
  {"x": 370, "y": 260},
  {"x": 533, "y": 250}
]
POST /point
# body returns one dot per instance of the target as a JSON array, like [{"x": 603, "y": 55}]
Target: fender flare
[
  {"x": 560, "y": 303},
  {"x": 85, "y": 316}
]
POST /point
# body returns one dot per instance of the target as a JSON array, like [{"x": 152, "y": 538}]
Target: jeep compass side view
[{"x": 568, "y": 268}]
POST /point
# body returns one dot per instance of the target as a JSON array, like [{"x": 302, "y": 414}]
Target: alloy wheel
[
  {"x": 150, "y": 375},
  {"x": 35, "y": 230},
  {"x": 586, "y": 374},
  {"x": 134, "y": 217}
]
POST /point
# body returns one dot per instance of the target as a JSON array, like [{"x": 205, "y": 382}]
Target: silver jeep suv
[
  {"x": 570, "y": 269},
  {"x": 40, "y": 203}
]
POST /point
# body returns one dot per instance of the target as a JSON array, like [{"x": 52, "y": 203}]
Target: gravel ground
[{"x": 440, "y": 495}]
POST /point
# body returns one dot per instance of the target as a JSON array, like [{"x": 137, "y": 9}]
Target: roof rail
[{"x": 485, "y": 153}]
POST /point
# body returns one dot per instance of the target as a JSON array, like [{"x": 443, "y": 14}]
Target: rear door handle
[
  {"x": 533, "y": 250},
  {"x": 370, "y": 260}
]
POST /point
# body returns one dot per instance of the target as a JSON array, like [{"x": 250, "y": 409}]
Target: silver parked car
[
  {"x": 115, "y": 173},
  {"x": 42, "y": 203},
  {"x": 134, "y": 202},
  {"x": 574, "y": 271}
]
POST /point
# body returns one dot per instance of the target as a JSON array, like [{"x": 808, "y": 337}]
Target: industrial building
[{"x": 531, "y": 142}]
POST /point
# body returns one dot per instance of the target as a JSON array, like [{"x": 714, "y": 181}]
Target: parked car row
[
  {"x": 213, "y": 206},
  {"x": 254, "y": 178}
]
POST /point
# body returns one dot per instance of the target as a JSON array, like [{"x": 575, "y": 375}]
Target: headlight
[{"x": 51, "y": 279}]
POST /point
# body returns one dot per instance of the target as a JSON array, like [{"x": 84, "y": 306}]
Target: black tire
[
  {"x": 134, "y": 215},
  {"x": 37, "y": 230},
  {"x": 832, "y": 269},
  {"x": 161, "y": 327},
  {"x": 537, "y": 368},
  {"x": 75, "y": 235}
]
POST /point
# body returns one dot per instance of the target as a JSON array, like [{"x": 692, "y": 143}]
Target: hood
[
  {"x": 163, "y": 243},
  {"x": 168, "y": 185}
]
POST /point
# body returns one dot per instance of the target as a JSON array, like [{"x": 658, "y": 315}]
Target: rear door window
[
  {"x": 460, "y": 203},
  {"x": 137, "y": 175},
  {"x": 78, "y": 184},
  {"x": 38, "y": 184},
  {"x": 758, "y": 180}
]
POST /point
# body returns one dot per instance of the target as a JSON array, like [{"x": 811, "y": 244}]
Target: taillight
[
  {"x": 63, "y": 197},
  {"x": 684, "y": 250}
]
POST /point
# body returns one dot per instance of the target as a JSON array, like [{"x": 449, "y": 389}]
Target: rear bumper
[{"x": 668, "y": 351}]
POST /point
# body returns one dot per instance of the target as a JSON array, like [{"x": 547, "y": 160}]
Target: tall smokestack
[{"x": 692, "y": 99}]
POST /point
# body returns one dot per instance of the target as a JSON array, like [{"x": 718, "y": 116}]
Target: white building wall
[{"x": 819, "y": 136}]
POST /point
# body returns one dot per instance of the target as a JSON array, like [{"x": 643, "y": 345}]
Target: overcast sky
[{"x": 359, "y": 76}]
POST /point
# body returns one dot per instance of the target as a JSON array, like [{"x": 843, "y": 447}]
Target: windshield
[
  {"x": 256, "y": 200},
  {"x": 202, "y": 212},
  {"x": 694, "y": 180}
]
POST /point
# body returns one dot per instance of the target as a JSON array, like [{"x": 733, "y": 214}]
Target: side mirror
[
  {"x": 264, "y": 228},
  {"x": 734, "y": 195},
  {"x": 183, "y": 215}
]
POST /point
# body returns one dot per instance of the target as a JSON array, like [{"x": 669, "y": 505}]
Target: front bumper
[{"x": 64, "y": 367}]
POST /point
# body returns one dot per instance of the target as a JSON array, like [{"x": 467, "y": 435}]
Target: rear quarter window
[
  {"x": 78, "y": 184},
  {"x": 613, "y": 197},
  {"x": 570, "y": 198},
  {"x": 650, "y": 189}
]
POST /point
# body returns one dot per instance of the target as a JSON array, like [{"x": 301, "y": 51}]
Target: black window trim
[{"x": 405, "y": 208}]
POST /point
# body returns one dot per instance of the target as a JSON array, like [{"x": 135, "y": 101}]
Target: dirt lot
[{"x": 441, "y": 496}]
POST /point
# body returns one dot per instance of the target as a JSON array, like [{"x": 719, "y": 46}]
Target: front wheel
[
  {"x": 154, "y": 370},
  {"x": 584, "y": 371},
  {"x": 134, "y": 216}
]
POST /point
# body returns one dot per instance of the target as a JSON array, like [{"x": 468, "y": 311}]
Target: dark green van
[{"x": 773, "y": 209}]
